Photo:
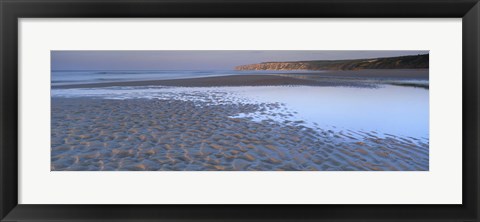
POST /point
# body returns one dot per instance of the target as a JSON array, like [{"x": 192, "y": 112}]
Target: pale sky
[{"x": 197, "y": 60}]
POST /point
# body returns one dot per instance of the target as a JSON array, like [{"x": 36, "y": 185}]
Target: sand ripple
[{"x": 156, "y": 134}]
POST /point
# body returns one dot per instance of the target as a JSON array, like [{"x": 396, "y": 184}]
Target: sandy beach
[
  {"x": 374, "y": 73},
  {"x": 198, "y": 130},
  {"x": 143, "y": 134}
]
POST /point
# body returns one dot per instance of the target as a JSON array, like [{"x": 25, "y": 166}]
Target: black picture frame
[{"x": 12, "y": 10}]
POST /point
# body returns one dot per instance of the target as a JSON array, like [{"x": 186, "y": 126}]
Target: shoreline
[
  {"x": 238, "y": 80},
  {"x": 357, "y": 78}
]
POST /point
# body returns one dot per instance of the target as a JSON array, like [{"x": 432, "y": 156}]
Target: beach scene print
[{"x": 240, "y": 110}]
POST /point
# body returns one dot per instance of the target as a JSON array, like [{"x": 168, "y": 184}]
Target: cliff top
[{"x": 399, "y": 62}]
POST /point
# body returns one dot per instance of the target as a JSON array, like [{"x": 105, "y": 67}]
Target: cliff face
[
  {"x": 278, "y": 66},
  {"x": 402, "y": 62}
]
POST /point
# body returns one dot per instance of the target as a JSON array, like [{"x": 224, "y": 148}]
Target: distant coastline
[{"x": 400, "y": 62}]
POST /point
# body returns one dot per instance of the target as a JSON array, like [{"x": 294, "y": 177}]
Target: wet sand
[
  {"x": 191, "y": 131},
  {"x": 237, "y": 80},
  {"x": 376, "y": 73},
  {"x": 328, "y": 78},
  {"x": 90, "y": 134}
]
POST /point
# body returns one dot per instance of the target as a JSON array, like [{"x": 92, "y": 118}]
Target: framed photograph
[{"x": 226, "y": 110}]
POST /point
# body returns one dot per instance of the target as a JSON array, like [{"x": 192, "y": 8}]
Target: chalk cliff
[{"x": 401, "y": 62}]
